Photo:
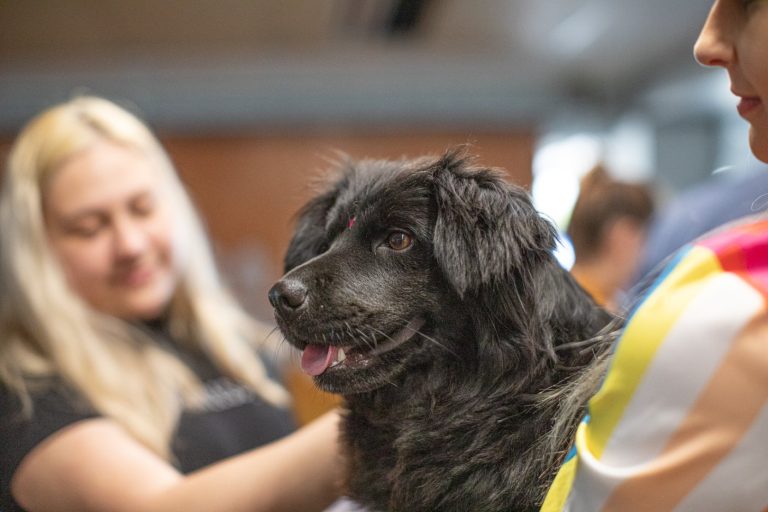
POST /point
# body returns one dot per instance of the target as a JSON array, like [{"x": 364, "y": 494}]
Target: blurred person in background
[
  {"x": 722, "y": 198},
  {"x": 678, "y": 422},
  {"x": 129, "y": 378},
  {"x": 608, "y": 229}
]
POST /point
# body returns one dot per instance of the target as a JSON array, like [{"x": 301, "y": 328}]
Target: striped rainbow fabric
[{"x": 681, "y": 419}]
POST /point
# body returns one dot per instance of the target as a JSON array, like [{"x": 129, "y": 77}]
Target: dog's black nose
[{"x": 288, "y": 296}]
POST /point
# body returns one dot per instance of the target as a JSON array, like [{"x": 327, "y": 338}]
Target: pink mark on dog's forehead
[{"x": 351, "y": 222}]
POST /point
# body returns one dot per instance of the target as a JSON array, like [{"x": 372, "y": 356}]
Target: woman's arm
[{"x": 94, "y": 465}]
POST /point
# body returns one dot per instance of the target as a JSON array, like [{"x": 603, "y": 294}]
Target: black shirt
[{"x": 232, "y": 420}]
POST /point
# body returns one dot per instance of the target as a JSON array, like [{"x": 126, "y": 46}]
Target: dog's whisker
[
  {"x": 276, "y": 348},
  {"x": 371, "y": 339},
  {"x": 349, "y": 329},
  {"x": 364, "y": 337},
  {"x": 391, "y": 383},
  {"x": 373, "y": 329},
  {"x": 274, "y": 330},
  {"x": 428, "y": 338},
  {"x": 436, "y": 342}
]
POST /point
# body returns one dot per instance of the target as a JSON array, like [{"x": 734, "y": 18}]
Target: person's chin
[
  {"x": 146, "y": 304},
  {"x": 758, "y": 141}
]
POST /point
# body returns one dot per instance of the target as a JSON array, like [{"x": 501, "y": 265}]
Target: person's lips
[
  {"x": 135, "y": 277},
  {"x": 748, "y": 104}
]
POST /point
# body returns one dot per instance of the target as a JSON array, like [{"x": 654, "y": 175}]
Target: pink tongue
[{"x": 317, "y": 358}]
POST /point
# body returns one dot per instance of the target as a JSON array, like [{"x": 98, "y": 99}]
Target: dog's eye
[{"x": 399, "y": 241}]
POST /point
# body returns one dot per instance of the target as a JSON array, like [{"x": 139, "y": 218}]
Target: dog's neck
[
  {"x": 481, "y": 403},
  {"x": 400, "y": 438}
]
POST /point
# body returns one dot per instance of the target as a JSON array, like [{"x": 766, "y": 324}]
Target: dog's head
[{"x": 398, "y": 263}]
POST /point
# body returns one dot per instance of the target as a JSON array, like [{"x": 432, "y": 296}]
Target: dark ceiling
[{"x": 200, "y": 64}]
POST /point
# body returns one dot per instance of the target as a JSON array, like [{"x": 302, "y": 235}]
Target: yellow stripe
[
  {"x": 642, "y": 337},
  {"x": 717, "y": 422},
  {"x": 561, "y": 487}
]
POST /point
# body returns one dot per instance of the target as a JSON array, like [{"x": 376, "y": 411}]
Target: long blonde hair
[{"x": 47, "y": 330}]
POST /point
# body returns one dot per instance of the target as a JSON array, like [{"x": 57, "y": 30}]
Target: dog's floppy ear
[
  {"x": 309, "y": 237},
  {"x": 487, "y": 230}
]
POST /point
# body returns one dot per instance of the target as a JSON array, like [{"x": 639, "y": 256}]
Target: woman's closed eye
[
  {"x": 85, "y": 228},
  {"x": 143, "y": 205}
]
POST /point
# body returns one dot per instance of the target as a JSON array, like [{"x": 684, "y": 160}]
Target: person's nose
[
  {"x": 130, "y": 239},
  {"x": 714, "y": 46}
]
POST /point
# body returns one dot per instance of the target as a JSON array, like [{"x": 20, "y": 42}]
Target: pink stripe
[{"x": 743, "y": 250}]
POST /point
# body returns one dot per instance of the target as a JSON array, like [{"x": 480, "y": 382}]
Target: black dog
[{"x": 426, "y": 293}]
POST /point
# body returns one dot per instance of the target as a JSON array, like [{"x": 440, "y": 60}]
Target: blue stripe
[
  {"x": 670, "y": 265},
  {"x": 571, "y": 453}
]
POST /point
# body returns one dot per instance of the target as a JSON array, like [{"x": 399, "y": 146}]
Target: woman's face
[
  {"x": 111, "y": 229},
  {"x": 735, "y": 37}
]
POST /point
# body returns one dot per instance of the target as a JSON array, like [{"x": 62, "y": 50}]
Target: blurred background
[{"x": 253, "y": 97}]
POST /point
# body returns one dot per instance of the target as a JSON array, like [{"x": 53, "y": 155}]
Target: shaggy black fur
[{"x": 448, "y": 420}]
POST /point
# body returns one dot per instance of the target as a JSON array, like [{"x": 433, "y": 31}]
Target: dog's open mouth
[{"x": 317, "y": 359}]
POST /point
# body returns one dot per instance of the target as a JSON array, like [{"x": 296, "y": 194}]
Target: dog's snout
[{"x": 288, "y": 296}]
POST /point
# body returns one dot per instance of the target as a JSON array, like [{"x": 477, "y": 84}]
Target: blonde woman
[{"x": 129, "y": 379}]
